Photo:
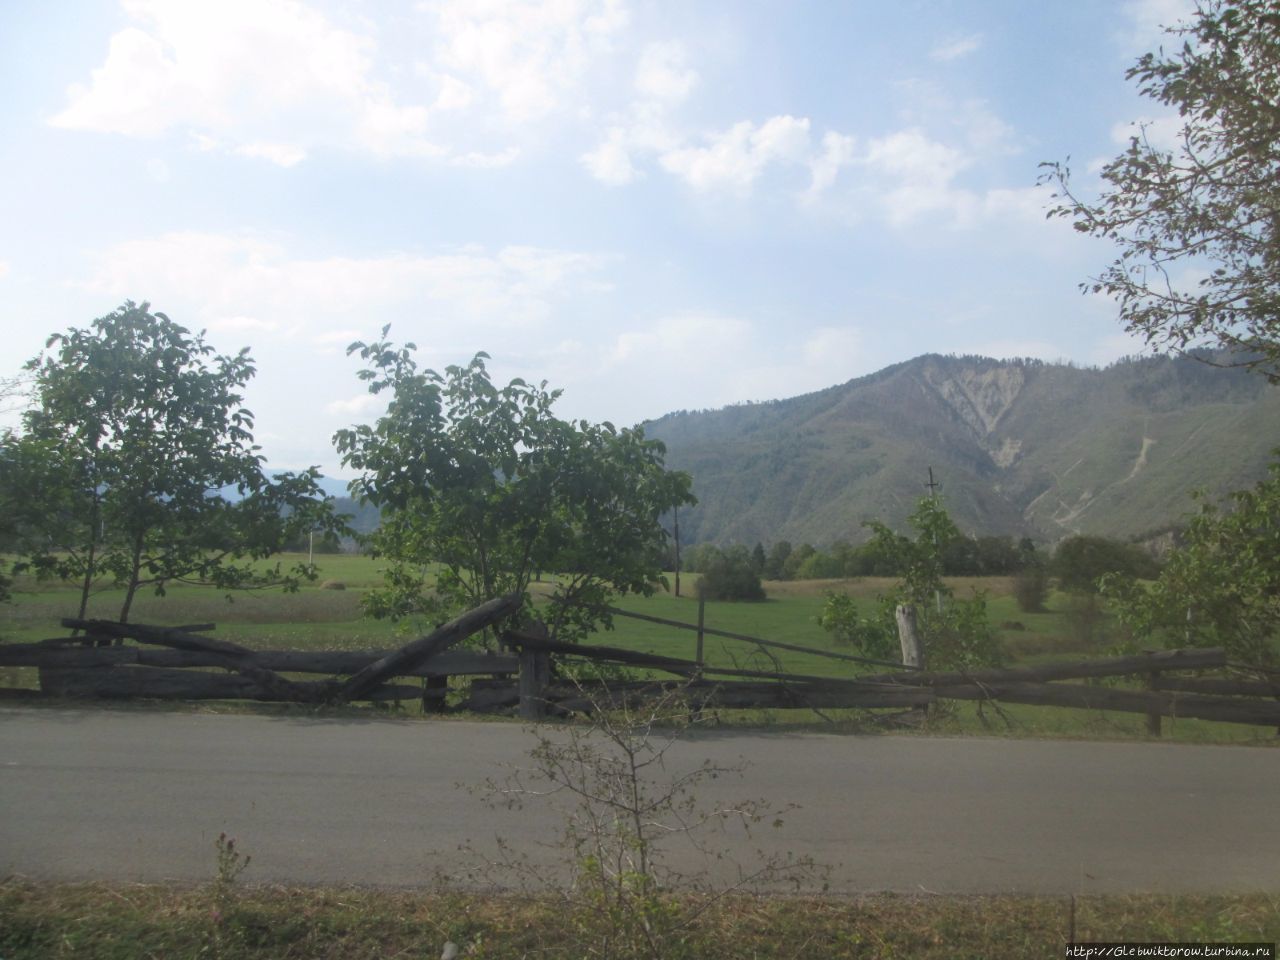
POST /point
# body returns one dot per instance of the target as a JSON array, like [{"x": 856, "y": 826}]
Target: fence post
[
  {"x": 912, "y": 648},
  {"x": 434, "y": 691},
  {"x": 535, "y": 673},
  {"x": 909, "y": 636},
  {"x": 702, "y": 606},
  {"x": 1153, "y": 716}
]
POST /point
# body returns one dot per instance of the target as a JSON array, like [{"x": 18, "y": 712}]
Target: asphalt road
[{"x": 139, "y": 796}]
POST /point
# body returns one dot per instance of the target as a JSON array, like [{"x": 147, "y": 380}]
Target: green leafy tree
[
  {"x": 1080, "y": 562},
  {"x": 1221, "y": 587},
  {"x": 136, "y": 465},
  {"x": 795, "y": 560},
  {"x": 778, "y": 554},
  {"x": 1198, "y": 225},
  {"x": 955, "y": 631},
  {"x": 730, "y": 575},
  {"x": 481, "y": 487},
  {"x": 820, "y": 565}
]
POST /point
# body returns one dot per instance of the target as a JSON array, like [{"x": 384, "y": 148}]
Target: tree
[
  {"x": 778, "y": 555},
  {"x": 481, "y": 487},
  {"x": 1221, "y": 587},
  {"x": 1080, "y": 561},
  {"x": 795, "y": 560},
  {"x": 955, "y": 631},
  {"x": 730, "y": 575},
  {"x": 137, "y": 464},
  {"x": 1197, "y": 225}
]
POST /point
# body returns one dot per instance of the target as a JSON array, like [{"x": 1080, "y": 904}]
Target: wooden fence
[
  {"x": 175, "y": 662},
  {"x": 1253, "y": 700}
]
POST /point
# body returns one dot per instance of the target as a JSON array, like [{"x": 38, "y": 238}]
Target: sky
[{"x": 653, "y": 206}]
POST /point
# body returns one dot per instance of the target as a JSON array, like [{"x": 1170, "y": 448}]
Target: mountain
[{"x": 1020, "y": 447}]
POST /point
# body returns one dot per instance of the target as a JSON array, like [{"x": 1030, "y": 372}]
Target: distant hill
[{"x": 1020, "y": 447}]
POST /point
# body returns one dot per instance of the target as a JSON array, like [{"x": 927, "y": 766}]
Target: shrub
[
  {"x": 1031, "y": 588},
  {"x": 730, "y": 575}
]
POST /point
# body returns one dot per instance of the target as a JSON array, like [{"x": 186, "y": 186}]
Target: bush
[
  {"x": 730, "y": 575},
  {"x": 1080, "y": 561},
  {"x": 1031, "y": 588}
]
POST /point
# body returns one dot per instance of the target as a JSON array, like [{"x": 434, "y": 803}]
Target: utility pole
[
  {"x": 933, "y": 485},
  {"x": 677, "y": 528}
]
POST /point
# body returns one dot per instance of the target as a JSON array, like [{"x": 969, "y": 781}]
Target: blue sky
[{"x": 653, "y": 206}]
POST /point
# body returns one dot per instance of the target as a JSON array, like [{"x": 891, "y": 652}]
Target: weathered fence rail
[
  {"x": 176, "y": 662},
  {"x": 81, "y": 667},
  {"x": 1055, "y": 684}
]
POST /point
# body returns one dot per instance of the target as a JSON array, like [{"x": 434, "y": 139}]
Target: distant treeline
[{"x": 1077, "y": 561}]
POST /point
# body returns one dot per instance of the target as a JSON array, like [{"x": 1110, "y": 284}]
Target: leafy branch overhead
[
  {"x": 483, "y": 488},
  {"x": 1197, "y": 221}
]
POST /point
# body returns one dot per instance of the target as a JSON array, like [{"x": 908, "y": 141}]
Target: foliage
[
  {"x": 777, "y": 559},
  {"x": 1080, "y": 561},
  {"x": 874, "y": 634},
  {"x": 487, "y": 484},
  {"x": 795, "y": 560},
  {"x": 730, "y": 575},
  {"x": 628, "y": 799},
  {"x": 1197, "y": 224},
  {"x": 137, "y": 464},
  {"x": 1222, "y": 587},
  {"x": 1031, "y": 588},
  {"x": 955, "y": 631}
]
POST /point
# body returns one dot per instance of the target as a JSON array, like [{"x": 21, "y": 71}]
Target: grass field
[
  {"x": 317, "y": 617},
  {"x": 47, "y": 922}
]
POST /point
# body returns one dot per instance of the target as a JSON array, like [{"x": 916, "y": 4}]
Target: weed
[
  {"x": 627, "y": 803},
  {"x": 224, "y": 913}
]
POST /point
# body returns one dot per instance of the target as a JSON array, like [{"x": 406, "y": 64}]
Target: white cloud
[
  {"x": 244, "y": 282},
  {"x": 529, "y": 56},
  {"x": 1162, "y": 133},
  {"x": 662, "y": 72},
  {"x": 837, "y": 152},
  {"x": 487, "y": 161},
  {"x": 281, "y": 154},
  {"x": 357, "y": 405},
  {"x": 685, "y": 340},
  {"x": 454, "y": 94},
  {"x": 610, "y": 162},
  {"x": 956, "y": 47},
  {"x": 1146, "y": 20},
  {"x": 918, "y": 172},
  {"x": 735, "y": 158},
  {"x": 4, "y": 269},
  {"x": 271, "y": 79}
]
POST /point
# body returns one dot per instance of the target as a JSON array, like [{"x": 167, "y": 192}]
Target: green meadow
[{"x": 327, "y": 614}]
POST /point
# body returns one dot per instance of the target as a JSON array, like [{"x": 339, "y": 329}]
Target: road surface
[{"x": 139, "y": 796}]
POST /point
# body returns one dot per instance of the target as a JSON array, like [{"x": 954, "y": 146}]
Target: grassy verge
[{"x": 100, "y": 921}]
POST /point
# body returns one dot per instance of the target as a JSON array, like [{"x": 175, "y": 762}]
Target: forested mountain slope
[{"x": 1020, "y": 447}]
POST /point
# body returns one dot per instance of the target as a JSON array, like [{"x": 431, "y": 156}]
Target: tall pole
[{"x": 677, "y": 525}]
